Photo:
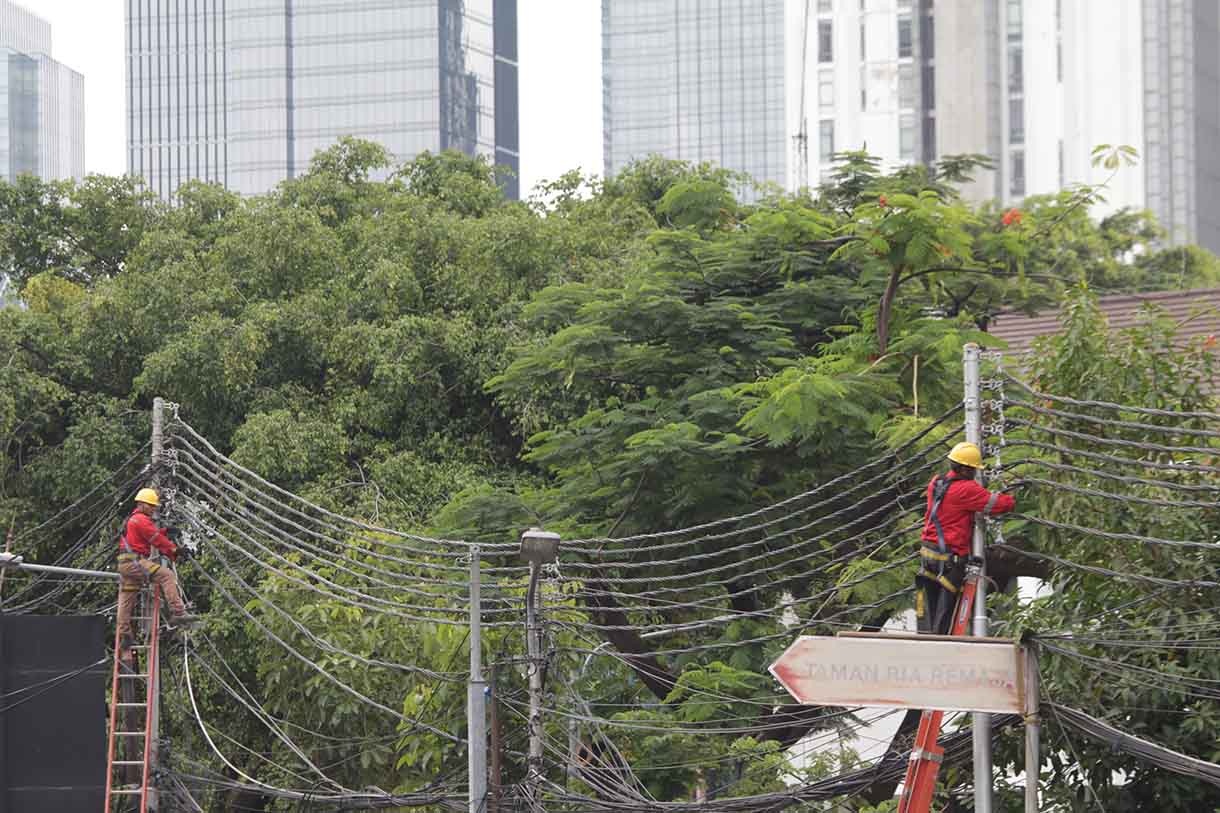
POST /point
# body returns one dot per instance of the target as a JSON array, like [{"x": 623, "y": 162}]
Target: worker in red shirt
[
  {"x": 953, "y": 500},
  {"x": 140, "y": 535}
]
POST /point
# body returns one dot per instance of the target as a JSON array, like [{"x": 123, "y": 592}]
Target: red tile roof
[{"x": 1196, "y": 312}]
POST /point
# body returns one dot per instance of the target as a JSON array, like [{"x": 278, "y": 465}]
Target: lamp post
[{"x": 538, "y": 547}]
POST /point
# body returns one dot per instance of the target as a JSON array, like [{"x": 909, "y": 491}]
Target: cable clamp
[{"x": 923, "y": 754}]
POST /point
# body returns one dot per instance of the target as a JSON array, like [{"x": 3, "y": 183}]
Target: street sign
[{"x": 903, "y": 671}]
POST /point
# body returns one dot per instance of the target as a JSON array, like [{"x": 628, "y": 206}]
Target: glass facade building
[
  {"x": 42, "y": 103},
  {"x": 699, "y": 80},
  {"x": 244, "y": 92}
]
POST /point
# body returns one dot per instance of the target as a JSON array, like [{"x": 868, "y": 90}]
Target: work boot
[{"x": 183, "y": 620}]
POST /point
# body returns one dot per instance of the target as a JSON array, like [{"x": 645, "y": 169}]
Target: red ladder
[
  {"x": 926, "y": 755},
  {"x": 132, "y": 722}
]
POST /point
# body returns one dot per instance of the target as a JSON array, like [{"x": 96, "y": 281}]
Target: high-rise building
[
  {"x": 244, "y": 92},
  {"x": 1034, "y": 85},
  {"x": 701, "y": 80},
  {"x": 42, "y": 103}
]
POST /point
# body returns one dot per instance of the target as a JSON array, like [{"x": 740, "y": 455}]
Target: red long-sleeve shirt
[
  {"x": 961, "y": 502},
  {"x": 143, "y": 535}
]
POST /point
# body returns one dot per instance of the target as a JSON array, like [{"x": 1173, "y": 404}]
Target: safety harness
[
  {"x": 939, "y": 555},
  {"x": 128, "y": 554}
]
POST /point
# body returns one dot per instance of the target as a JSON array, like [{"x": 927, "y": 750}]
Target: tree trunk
[{"x": 885, "y": 310}]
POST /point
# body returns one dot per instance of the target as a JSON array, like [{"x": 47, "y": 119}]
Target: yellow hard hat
[
  {"x": 968, "y": 455},
  {"x": 147, "y": 495}
]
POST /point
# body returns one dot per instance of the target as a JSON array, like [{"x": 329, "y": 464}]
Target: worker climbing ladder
[
  {"x": 132, "y": 747},
  {"x": 926, "y": 754}
]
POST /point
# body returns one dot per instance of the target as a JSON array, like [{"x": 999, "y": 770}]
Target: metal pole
[
  {"x": 66, "y": 571},
  {"x": 982, "y": 721},
  {"x": 1033, "y": 729},
  {"x": 476, "y": 723},
  {"x": 534, "y": 648}
]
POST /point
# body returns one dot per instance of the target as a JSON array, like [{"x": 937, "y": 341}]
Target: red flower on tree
[
  {"x": 1012, "y": 216},
  {"x": 882, "y": 202}
]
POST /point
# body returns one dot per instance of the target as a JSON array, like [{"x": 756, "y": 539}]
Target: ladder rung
[
  {"x": 135, "y": 675},
  {"x": 128, "y": 762},
  {"x": 131, "y": 705},
  {"x": 115, "y": 791},
  {"x": 129, "y": 733}
]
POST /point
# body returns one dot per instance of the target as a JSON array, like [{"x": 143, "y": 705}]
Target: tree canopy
[{"x": 611, "y": 359}]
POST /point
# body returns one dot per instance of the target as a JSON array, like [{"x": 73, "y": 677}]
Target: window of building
[
  {"x": 906, "y": 137},
  {"x": 863, "y": 89},
  {"x": 863, "y": 41},
  {"x": 1061, "y": 173},
  {"x": 929, "y": 139},
  {"x": 1014, "y": 19},
  {"x": 826, "y": 6},
  {"x": 826, "y": 45},
  {"x": 1059, "y": 40},
  {"x": 927, "y": 88},
  {"x": 905, "y": 46},
  {"x": 927, "y": 36},
  {"x": 863, "y": 6},
  {"x": 1016, "y": 121},
  {"x": 826, "y": 140},
  {"x": 1016, "y": 185},
  {"x": 1016, "y": 69},
  {"x": 826, "y": 88},
  {"x": 906, "y": 86}
]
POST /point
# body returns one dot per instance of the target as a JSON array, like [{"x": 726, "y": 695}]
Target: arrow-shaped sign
[{"x": 903, "y": 671}]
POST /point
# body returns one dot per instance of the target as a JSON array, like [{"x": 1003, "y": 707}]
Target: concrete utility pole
[
  {"x": 1033, "y": 728},
  {"x": 982, "y": 721},
  {"x": 153, "y": 712},
  {"x": 495, "y": 742},
  {"x": 476, "y": 721},
  {"x": 537, "y": 547}
]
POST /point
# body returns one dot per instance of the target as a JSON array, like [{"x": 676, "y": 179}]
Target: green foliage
[{"x": 401, "y": 343}]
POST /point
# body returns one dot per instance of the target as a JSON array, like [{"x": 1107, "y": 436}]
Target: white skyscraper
[
  {"x": 1034, "y": 85},
  {"x": 42, "y": 103},
  {"x": 244, "y": 92}
]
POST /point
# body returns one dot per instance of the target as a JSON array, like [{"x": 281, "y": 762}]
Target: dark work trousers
[{"x": 936, "y": 595}]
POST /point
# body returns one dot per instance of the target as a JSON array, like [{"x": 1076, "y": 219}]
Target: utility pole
[
  {"x": 153, "y": 712},
  {"x": 533, "y": 777},
  {"x": 1033, "y": 728},
  {"x": 537, "y": 547},
  {"x": 495, "y": 742},
  {"x": 982, "y": 721},
  {"x": 476, "y": 724}
]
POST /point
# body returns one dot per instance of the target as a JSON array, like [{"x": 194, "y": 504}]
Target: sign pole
[
  {"x": 982, "y": 721},
  {"x": 1033, "y": 729}
]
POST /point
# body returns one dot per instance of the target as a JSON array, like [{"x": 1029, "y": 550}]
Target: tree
[{"x": 615, "y": 358}]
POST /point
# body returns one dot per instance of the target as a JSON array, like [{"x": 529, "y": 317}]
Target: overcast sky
[{"x": 560, "y": 51}]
